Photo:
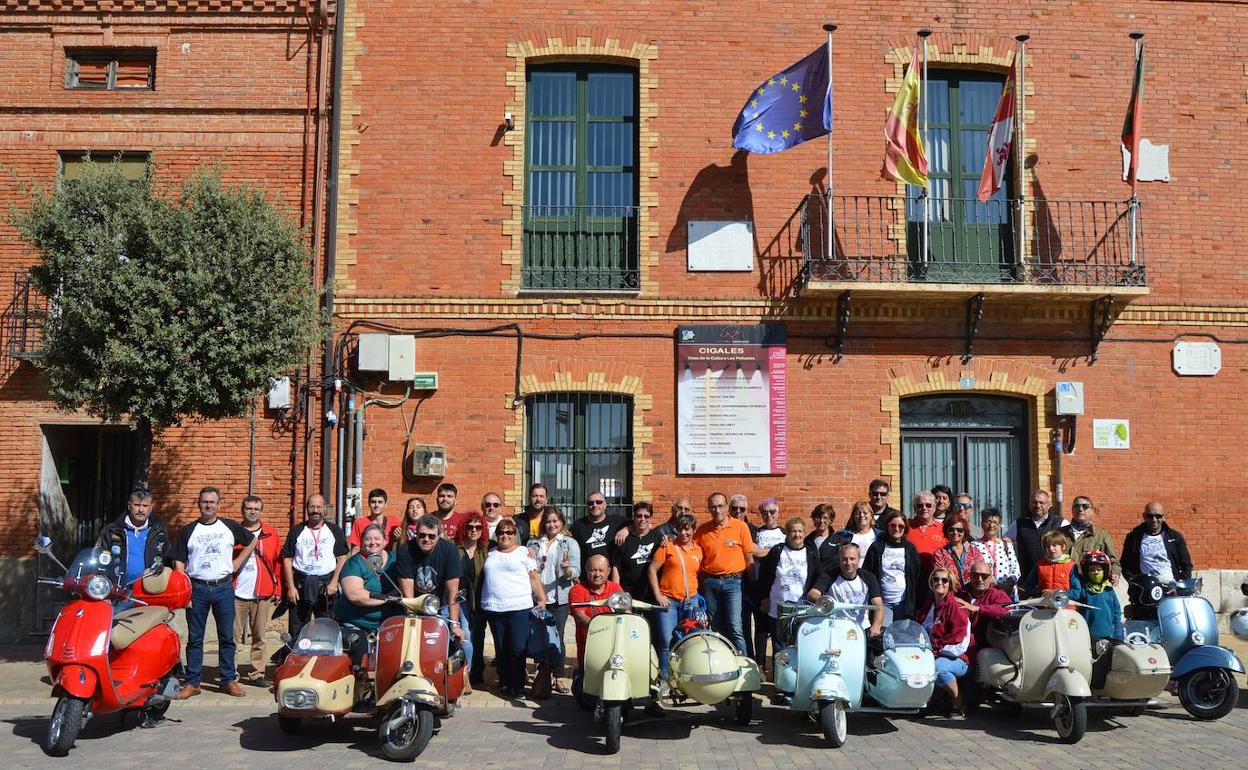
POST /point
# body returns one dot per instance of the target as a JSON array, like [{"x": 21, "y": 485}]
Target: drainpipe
[
  {"x": 1058, "y": 492},
  {"x": 357, "y": 446},
  {"x": 331, "y": 249}
]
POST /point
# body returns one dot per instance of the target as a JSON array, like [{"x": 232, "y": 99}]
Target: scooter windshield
[
  {"x": 320, "y": 637},
  {"x": 905, "y": 633}
]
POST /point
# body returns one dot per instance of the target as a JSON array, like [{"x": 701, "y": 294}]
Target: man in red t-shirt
[
  {"x": 592, "y": 587},
  {"x": 926, "y": 534},
  {"x": 377, "y": 499}
]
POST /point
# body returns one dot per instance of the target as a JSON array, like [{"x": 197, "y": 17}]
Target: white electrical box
[
  {"x": 373, "y": 354},
  {"x": 280, "y": 394},
  {"x": 1069, "y": 397},
  {"x": 402, "y": 362},
  {"x": 428, "y": 461}
]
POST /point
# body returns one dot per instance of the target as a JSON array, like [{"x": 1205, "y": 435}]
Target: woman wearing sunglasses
[
  {"x": 509, "y": 584},
  {"x": 558, "y": 558},
  {"x": 959, "y": 553},
  {"x": 999, "y": 553},
  {"x": 894, "y": 560},
  {"x": 472, "y": 554},
  {"x": 949, "y": 625}
]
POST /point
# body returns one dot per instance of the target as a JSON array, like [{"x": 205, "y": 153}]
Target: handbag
[{"x": 543, "y": 641}]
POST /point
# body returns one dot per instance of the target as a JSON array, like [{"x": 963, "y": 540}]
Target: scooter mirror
[
  {"x": 374, "y": 562},
  {"x": 285, "y": 637},
  {"x": 43, "y": 544},
  {"x": 157, "y": 567}
]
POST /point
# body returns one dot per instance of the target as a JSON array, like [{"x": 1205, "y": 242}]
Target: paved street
[{"x": 213, "y": 730}]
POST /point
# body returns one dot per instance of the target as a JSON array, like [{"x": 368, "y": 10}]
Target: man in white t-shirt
[
  {"x": 851, "y": 585},
  {"x": 314, "y": 553},
  {"x": 205, "y": 552},
  {"x": 1154, "y": 548}
]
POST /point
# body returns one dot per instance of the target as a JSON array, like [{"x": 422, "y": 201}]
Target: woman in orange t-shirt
[{"x": 674, "y": 582}]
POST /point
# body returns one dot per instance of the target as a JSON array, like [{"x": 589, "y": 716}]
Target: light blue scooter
[
  {"x": 1187, "y": 628},
  {"x": 823, "y": 668}
]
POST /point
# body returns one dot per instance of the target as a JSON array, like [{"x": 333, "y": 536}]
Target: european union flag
[{"x": 781, "y": 112}]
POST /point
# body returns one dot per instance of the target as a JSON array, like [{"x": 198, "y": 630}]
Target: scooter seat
[{"x": 133, "y": 623}]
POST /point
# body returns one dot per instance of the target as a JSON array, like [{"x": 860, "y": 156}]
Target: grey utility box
[
  {"x": 374, "y": 353},
  {"x": 1069, "y": 397}
]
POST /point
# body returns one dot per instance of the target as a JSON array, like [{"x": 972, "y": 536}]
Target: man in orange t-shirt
[
  {"x": 926, "y": 534},
  {"x": 593, "y": 586},
  {"x": 377, "y": 499},
  {"x": 727, "y": 552}
]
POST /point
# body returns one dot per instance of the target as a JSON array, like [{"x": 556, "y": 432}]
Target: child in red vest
[{"x": 1055, "y": 571}]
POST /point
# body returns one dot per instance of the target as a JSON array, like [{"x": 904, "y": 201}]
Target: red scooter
[{"x": 101, "y": 662}]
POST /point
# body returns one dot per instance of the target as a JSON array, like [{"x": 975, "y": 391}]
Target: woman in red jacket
[{"x": 950, "y": 628}]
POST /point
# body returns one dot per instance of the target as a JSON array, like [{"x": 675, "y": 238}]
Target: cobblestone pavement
[{"x": 216, "y": 731}]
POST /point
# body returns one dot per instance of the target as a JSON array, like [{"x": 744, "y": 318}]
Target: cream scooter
[{"x": 621, "y": 669}]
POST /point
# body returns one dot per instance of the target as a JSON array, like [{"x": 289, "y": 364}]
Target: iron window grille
[{"x": 578, "y": 443}]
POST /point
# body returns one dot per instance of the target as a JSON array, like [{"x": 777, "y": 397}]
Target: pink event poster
[{"x": 732, "y": 400}]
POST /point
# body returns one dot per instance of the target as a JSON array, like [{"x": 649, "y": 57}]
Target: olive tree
[{"x": 166, "y": 303}]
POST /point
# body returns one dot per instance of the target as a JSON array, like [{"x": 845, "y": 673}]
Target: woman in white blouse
[
  {"x": 999, "y": 552},
  {"x": 509, "y": 584},
  {"x": 558, "y": 558}
]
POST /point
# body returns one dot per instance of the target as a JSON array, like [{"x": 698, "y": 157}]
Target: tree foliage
[{"x": 167, "y": 303}]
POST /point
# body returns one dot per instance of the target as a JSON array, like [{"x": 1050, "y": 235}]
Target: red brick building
[
  {"x": 184, "y": 83},
  {"x": 524, "y": 171}
]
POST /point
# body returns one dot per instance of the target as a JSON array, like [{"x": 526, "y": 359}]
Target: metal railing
[
  {"x": 880, "y": 239},
  {"x": 24, "y": 318},
  {"x": 582, "y": 248}
]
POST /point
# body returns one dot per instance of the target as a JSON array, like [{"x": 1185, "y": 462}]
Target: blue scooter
[
  {"x": 820, "y": 670},
  {"x": 1184, "y": 623}
]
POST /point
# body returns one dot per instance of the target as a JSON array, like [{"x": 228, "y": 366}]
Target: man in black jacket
[
  {"x": 136, "y": 539},
  {"x": 1154, "y": 548},
  {"x": 1027, "y": 531}
]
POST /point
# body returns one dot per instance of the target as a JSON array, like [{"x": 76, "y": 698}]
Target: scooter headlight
[
  {"x": 299, "y": 699},
  {"x": 1063, "y": 660},
  {"x": 1059, "y": 599},
  {"x": 825, "y": 605},
  {"x": 619, "y": 602},
  {"x": 616, "y": 661},
  {"x": 1198, "y": 637},
  {"x": 430, "y": 605},
  {"x": 782, "y": 658},
  {"x": 99, "y": 587}
]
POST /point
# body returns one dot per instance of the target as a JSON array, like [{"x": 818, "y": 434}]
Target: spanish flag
[
  {"x": 904, "y": 157},
  {"x": 1131, "y": 125}
]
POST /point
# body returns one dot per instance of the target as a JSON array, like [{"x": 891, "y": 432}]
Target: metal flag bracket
[
  {"x": 974, "y": 314},
  {"x": 1100, "y": 319}
]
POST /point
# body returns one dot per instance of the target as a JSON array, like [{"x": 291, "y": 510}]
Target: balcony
[
  {"x": 581, "y": 249},
  {"x": 24, "y": 319},
  {"x": 1072, "y": 248}
]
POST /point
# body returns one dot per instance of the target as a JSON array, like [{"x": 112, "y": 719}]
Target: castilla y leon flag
[
  {"x": 1131, "y": 126},
  {"x": 904, "y": 157},
  {"x": 1000, "y": 140}
]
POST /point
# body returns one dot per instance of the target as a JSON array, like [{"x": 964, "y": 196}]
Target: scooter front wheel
[
  {"x": 1070, "y": 717},
  {"x": 614, "y": 719},
  {"x": 405, "y": 732},
  {"x": 67, "y": 720},
  {"x": 834, "y": 722},
  {"x": 1209, "y": 693}
]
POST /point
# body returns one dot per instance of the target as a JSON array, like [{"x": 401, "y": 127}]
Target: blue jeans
[
  {"x": 464, "y": 624},
  {"x": 665, "y": 621},
  {"x": 723, "y": 606},
  {"x": 218, "y": 599},
  {"x": 511, "y": 635},
  {"x": 949, "y": 669}
]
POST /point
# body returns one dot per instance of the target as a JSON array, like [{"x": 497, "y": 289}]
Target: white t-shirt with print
[
  {"x": 1154, "y": 559},
  {"x": 210, "y": 551},
  {"x": 893, "y": 574},
  {"x": 245, "y": 583},
  {"x": 314, "y": 551}
]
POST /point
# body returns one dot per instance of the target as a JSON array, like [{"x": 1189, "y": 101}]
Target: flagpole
[
  {"x": 830, "y": 27},
  {"x": 1135, "y": 161},
  {"x": 927, "y": 197},
  {"x": 1020, "y": 146}
]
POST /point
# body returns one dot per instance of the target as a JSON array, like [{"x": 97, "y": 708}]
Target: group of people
[{"x": 944, "y": 566}]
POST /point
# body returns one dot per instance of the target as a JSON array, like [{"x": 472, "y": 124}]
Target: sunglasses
[
  {"x": 926, "y": 505},
  {"x": 597, "y": 502},
  {"x": 505, "y": 532},
  {"x": 1155, "y": 516},
  {"x": 879, "y": 494},
  {"x": 896, "y": 527},
  {"x": 471, "y": 527},
  {"x": 643, "y": 515},
  {"x": 962, "y": 506},
  {"x": 957, "y": 530},
  {"x": 984, "y": 575},
  {"x": 770, "y": 511},
  {"x": 426, "y": 536},
  {"x": 491, "y": 505},
  {"x": 1081, "y": 506},
  {"x": 737, "y": 508},
  {"x": 938, "y": 580}
]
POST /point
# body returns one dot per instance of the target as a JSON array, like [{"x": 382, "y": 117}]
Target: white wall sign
[
  {"x": 722, "y": 246},
  {"x": 1197, "y": 358},
  {"x": 1154, "y": 162},
  {"x": 1111, "y": 434}
]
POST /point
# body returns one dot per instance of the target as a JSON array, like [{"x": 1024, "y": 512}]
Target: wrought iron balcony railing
[
  {"x": 1062, "y": 243},
  {"x": 581, "y": 248},
  {"x": 24, "y": 319}
]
